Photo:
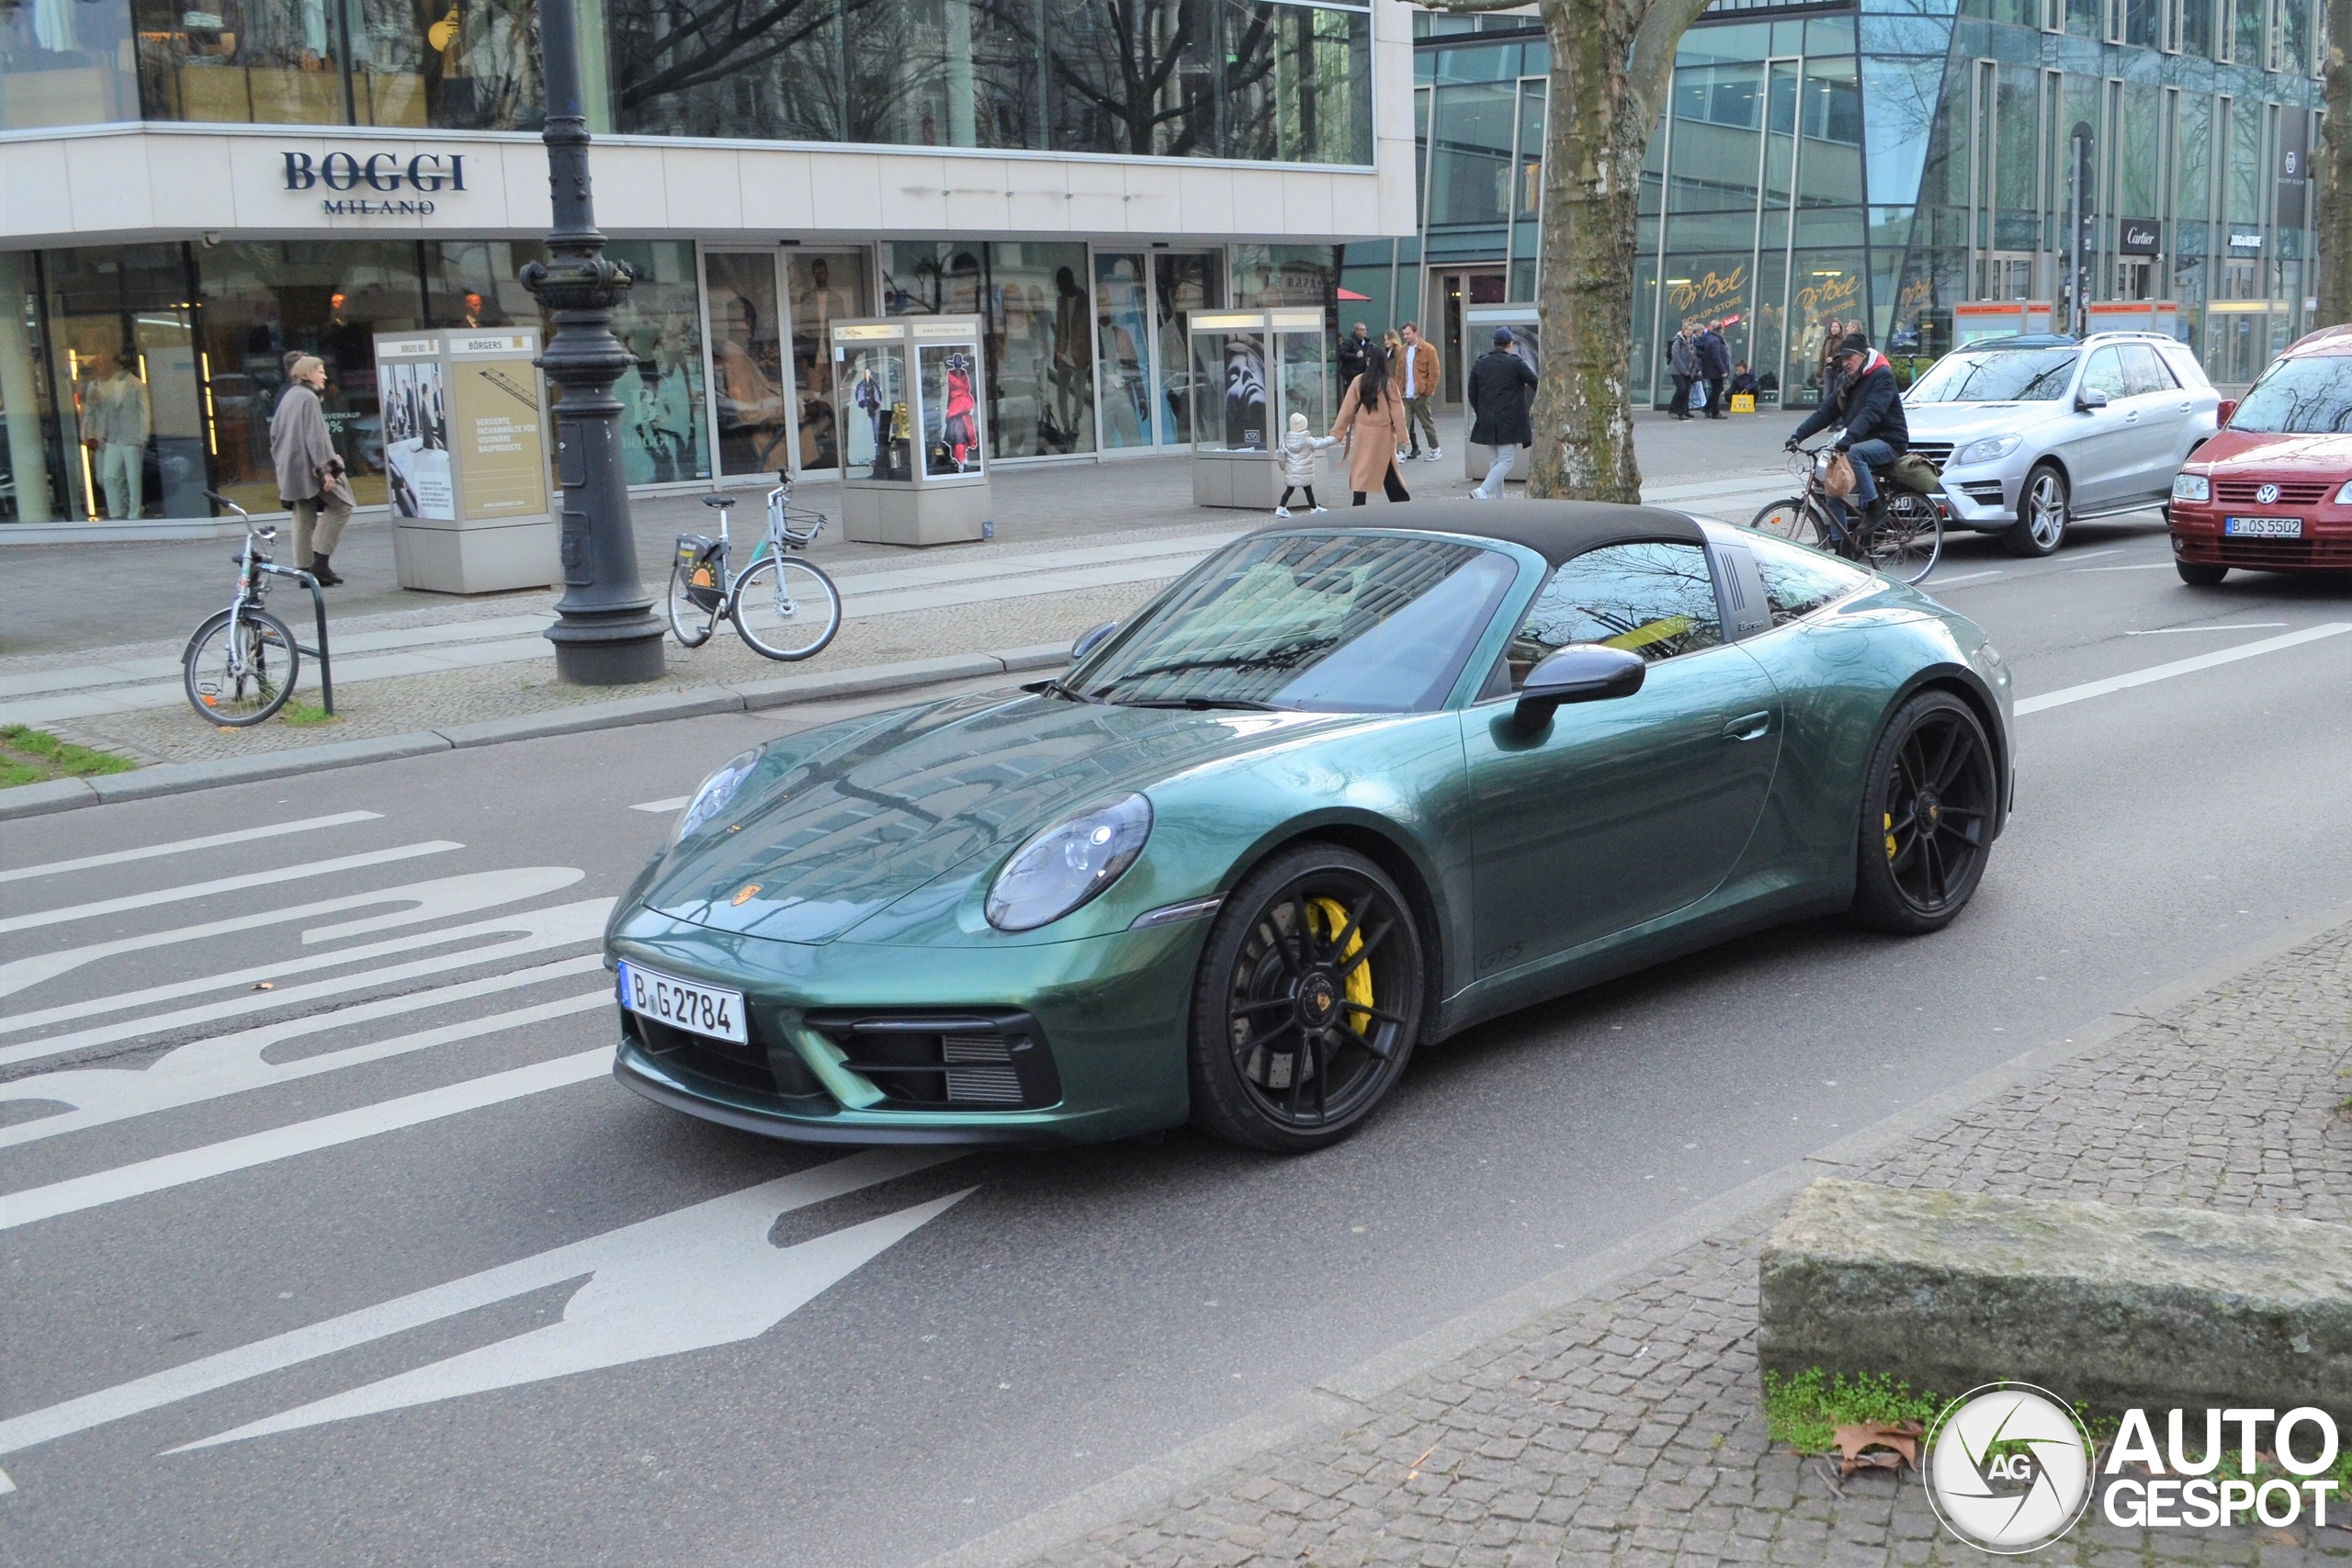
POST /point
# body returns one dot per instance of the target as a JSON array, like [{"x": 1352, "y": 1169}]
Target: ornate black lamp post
[{"x": 605, "y": 633}]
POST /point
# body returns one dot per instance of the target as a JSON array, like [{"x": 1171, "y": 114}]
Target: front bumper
[
  {"x": 1983, "y": 496},
  {"x": 1101, "y": 1024},
  {"x": 2197, "y": 538}
]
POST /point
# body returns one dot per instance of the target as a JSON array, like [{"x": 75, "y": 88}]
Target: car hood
[
  {"x": 825, "y": 835},
  {"x": 2276, "y": 455},
  {"x": 1957, "y": 422}
]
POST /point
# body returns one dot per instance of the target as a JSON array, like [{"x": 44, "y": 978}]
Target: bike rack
[{"x": 319, "y": 611}]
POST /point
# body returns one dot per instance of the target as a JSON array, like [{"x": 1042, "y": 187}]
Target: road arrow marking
[
  {"x": 184, "y": 846},
  {"x": 656, "y": 1304},
  {"x": 2066, "y": 694},
  {"x": 224, "y": 885}
]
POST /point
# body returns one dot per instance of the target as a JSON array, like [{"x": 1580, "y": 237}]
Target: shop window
[
  {"x": 33, "y": 486},
  {"x": 465, "y": 64},
  {"x": 66, "y": 64},
  {"x": 273, "y": 60},
  {"x": 1037, "y": 325},
  {"x": 714, "y": 68},
  {"x": 823, "y": 286}
]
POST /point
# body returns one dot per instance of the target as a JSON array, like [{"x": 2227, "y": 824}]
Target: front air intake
[{"x": 977, "y": 1061}]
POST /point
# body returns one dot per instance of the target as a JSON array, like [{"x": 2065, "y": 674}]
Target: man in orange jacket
[{"x": 1418, "y": 381}]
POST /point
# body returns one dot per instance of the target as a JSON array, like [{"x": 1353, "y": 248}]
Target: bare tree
[
  {"x": 1612, "y": 62},
  {"x": 2334, "y": 220}
]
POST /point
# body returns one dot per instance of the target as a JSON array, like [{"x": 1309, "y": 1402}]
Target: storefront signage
[
  {"x": 1683, "y": 293},
  {"x": 2245, "y": 239},
  {"x": 385, "y": 172},
  {"x": 2139, "y": 236}
]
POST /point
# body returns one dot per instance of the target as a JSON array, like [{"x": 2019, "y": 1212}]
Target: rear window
[{"x": 2308, "y": 395}]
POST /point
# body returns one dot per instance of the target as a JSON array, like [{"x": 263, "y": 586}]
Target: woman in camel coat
[{"x": 1377, "y": 414}]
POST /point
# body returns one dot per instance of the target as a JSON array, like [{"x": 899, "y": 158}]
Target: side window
[
  {"x": 1797, "y": 580},
  {"x": 2105, "y": 372},
  {"x": 1656, "y": 599},
  {"x": 2143, "y": 372}
]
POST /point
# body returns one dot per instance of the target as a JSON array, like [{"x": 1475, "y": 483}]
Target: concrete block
[
  {"x": 903, "y": 676},
  {"x": 40, "y": 799},
  {"x": 2110, "y": 1307},
  {"x": 1042, "y": 655},
  {"x": 691, "y": 704},
  {"x": 178, "y": 778}
]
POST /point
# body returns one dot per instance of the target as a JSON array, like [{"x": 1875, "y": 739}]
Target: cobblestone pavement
[{"x": 1627, "y": 1430}]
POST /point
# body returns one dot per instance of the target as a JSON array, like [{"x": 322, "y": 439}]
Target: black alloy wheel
[
  {"x": 1928, "y": 815},
  {"x": 1307, "y": 1002}
]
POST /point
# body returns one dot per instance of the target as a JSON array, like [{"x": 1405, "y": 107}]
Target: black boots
[{"x": 323, "y": 572}]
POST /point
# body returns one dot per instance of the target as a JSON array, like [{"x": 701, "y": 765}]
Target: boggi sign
[{"x": 387, "y": 172}]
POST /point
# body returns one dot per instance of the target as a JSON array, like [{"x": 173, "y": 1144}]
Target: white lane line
[
  {"x": 166, "y": 1171},
  {"x": 445, "y": 896},
  {"x": 184, "y": 846},
  {"x": 2135, "y": 566},
  {"x": 2236, "y": 627},
  {"x": 234, "y": 1064},
  {"x": 562, "y": 926},
  {"x": 655, "y": 1243},
  {"x": 225, "y": 884},
  {"x": 1935, "y": 582},
  {"x": 675, "y": 802},
  {"x": 2179, "y": 667},
  {"x": 2082, "y": 556}
]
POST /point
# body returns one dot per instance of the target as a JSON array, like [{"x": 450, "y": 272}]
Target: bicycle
[
  {"x": 1904, "y": 544},
  {"x": 786, "y": 608},
  {"x": 240, "y": 666}
]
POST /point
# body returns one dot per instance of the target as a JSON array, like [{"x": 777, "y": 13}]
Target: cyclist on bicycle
[{"x": 1870, "y": 406}]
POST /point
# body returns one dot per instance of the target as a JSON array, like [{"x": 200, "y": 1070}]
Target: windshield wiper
[
  {"x": 1197, "y": 705},
  {"x": 1054, "y": 688}
]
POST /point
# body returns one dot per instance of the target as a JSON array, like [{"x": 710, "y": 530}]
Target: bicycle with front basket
[
  {"x": 783, "y": 605},
  {"x": 1903, "y": 545},
  {"x": 240, "y": 666}
]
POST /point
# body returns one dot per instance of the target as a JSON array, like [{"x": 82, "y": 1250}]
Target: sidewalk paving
[
  {"x": 93, "y": 634},
  {"x": 1627, "y": 1429}
]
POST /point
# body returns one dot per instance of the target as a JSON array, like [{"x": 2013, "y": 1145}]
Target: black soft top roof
[{"x": 1556, "y": 530}]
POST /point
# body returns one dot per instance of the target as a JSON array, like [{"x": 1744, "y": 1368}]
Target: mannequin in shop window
[{"x": 117, "y": 419}]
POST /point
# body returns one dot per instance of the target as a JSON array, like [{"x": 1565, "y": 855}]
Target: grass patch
[
  {"x": 301, "y": 715},
  {"x": 32, "y": 756},
  {"x": 1805, "y": 1411}
]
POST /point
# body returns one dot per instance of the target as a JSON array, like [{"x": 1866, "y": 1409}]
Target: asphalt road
[{"x": 339, "y": 1222}]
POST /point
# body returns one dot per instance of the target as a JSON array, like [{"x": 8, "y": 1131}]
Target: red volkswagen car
[{"x": 2272, "y": 490}]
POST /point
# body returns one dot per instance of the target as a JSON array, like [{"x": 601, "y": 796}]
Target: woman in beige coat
[{"x": 1373, "y": 411}]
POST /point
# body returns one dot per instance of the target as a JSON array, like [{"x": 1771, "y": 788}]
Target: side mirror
[
  {"x": 2089, "y": 398},
  {"x": 1580, "y": 672},
  {"x": 1091, "y": 639},
  {"x": 2225, "y": 411}
]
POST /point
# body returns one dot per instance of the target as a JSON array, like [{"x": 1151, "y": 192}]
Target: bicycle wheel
[
  {"x": 1905, "y": 546},
  {"x": 1792, "y": 518},
  {"x": 692, "y": 622},
  {"x": 786, "y": 608},
  {"x": 240, "y": 679}
]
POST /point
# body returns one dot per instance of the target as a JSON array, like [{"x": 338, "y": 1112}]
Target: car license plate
[
  {"x": 683, "y": 1004},
  {"x": 2263, "y": 528}
]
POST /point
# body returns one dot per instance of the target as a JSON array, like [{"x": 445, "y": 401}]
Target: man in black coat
[
  {"x": 1869, "y": 407},
  {"x": 1714, "y": 365},
  {"x": 1500, "y": 384},
  {"x": 1351, "y": 349}
]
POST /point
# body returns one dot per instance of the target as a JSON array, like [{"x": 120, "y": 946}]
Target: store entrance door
[
  {"x": 1451, "y": 288},
  {"x": 775, "y": 415},
  {"x": 1142, "y": 310}
]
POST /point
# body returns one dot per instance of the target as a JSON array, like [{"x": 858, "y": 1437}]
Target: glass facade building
[
  {"x": 200, "y": 195},
  {"x": 1880, "y": 164}
]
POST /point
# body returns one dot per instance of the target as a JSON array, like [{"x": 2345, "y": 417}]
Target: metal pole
[
  {"x": 2078, "y": 190},
  {"x": 605, "y": 633}
]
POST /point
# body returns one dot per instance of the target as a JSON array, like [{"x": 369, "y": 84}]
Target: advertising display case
[
  {"x": 463, "y": 424},
  {"x": 1252, "y": 370},
  {"x": 915, "y": 457},
  {"x": 1478, "y": 324}
]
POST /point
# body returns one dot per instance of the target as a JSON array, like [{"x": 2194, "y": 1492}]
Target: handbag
[
  {"x": 1837, "y": 479},
  {"x": 1699, "y": 394}
]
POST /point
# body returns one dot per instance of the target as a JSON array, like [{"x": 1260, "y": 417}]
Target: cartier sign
[
  {"x": 356, "y": 182},
  {"x": 2139, "y": 236}
]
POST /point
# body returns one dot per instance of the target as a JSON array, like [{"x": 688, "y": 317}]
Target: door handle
[
  {"x": 1755, "y": 727},
  {"x": 2188, "y": 408},
  {"x": 2131, "y": 418}
]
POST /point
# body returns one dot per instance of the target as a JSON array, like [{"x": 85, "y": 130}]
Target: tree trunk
[
  {"x": 2334, "y": 220},
  {"x": 1593, "y": 180}
]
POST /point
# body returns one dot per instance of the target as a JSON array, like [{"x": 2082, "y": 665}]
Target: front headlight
[
  {"x": 1986, "y": 450},
  {"x": 713, "y": 796},
  {"x": 2191, "y": 487},
  {"x": 1069, "y": 863},
  {"x": 2344, "y": 496}
]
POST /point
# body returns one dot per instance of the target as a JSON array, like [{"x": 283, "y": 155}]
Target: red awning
[{"x": 1351, "y": 293}]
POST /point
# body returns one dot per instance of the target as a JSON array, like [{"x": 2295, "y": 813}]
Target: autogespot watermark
[{"x": 2009, "y": 1469}]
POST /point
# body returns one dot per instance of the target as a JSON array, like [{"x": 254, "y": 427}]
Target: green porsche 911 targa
[{"x": 1338, "y": 792}]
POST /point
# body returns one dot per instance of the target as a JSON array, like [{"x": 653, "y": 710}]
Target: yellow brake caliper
[
  {"x": 1358, "y": 985},
  {"x": 1890, "y": 835}
]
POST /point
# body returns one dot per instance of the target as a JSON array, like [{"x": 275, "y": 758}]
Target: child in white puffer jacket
[{"x": 1298, "y": 464}]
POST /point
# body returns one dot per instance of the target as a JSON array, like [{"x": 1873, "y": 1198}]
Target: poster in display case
[
  {"x": 914, "y": 462},
  {"x": 464, "y": 417},
  {"x": 1478, "y": 324},
  {"x": 1258, "y": 368}
]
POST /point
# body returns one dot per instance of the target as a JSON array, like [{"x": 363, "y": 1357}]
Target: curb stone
[
  {"x": 180, "y": 778},
  {"x": 1346, "y": 1398}
]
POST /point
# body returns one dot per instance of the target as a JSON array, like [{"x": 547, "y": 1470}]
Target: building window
[{"x": 1037, "y": 321}]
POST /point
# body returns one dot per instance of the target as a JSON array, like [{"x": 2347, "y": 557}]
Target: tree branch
[{"x": 1649, "y": 64}]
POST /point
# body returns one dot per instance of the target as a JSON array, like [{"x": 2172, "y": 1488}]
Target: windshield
[
  {"x": 1998, "y": 376},
  {"x": 1349, "y": 623},
  {"x": 2311, "y": 395}
]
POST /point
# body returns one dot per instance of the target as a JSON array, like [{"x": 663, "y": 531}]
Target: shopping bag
[
  {"x": 1837, "y": 480},
  {"x": 1698, "y": 394},
  {"x": 1743, "y": 402}
]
